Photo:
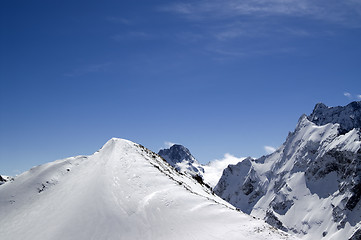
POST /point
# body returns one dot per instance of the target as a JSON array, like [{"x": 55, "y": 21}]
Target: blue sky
[{"x": 216, "y": 76}]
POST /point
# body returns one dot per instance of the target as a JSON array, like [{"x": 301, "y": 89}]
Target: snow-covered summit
[
  {"x": 348, "y": 116},
  {"x": 123, "y": 191},
  {"x": 182, "y": 160},
  {"x": 311, "y": 185},
  {"x": 176, "y": 154}
]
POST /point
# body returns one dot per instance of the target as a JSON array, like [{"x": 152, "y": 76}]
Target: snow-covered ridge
[
  {"x": 311, "y": 185},
  {"x": 123, "y": 191},
  {"x": 348, "y": 116}
]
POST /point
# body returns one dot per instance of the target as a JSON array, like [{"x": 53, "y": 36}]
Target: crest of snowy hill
[
  {"x": 123, "y": 191},
  {"x": 311, "y": 185},
  {"x": 183, "y": 161}
]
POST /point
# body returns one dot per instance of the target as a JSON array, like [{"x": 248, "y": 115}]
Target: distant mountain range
[{"x": 309, "y": 187}]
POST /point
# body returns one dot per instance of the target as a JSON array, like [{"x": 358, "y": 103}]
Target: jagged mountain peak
[
  {"x": 182, "y": 160},
  {"x": 348, "y": 116},
  {"x": 311, "y": 184},
  {"x": 177, "y": 153}
]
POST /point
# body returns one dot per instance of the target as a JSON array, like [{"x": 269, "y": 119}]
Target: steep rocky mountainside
[
  {"x": 311, "y": 185},
  {"x": 349, "y": 117},
  {"x": 182, "y": 160}
]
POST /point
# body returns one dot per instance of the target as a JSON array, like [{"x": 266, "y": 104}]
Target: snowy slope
[
  {"x": 311, "y": 185},
  {"x": 123, "y": 191}
]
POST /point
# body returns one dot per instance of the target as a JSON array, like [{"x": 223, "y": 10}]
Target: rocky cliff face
[
  {"x": 311, "y": 185},
  {"x": 182, "y": 160},
  {"x": 349, "y": 117}
]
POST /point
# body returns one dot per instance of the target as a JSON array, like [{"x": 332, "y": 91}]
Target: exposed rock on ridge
[{"x": 349, "y": 116}]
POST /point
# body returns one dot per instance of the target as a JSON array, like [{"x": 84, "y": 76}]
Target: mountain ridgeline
[
  {"x": 123, "y": 191},
  {"x": 311, "y": 185},
  {"x": 348, "y": 117}
]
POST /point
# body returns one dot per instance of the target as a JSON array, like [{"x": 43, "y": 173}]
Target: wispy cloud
[
  {"x": 168, "y": 144},
  {"x": 352, "y": 96},
  {"x": 214, "y": 169},
  {"x": 335, "y": 11},
  {"x": 230, "y": 8},
  {"x": 347, "y": 94},
  {"x": 232, "y": 28},
  {"x": 269, "y": 149}
]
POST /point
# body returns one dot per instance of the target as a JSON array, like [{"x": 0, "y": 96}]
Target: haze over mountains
[{"x": 309, "y": 187}]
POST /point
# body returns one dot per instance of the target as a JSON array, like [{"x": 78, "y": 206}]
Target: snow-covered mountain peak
[
  {"x": 119, "y": 142},
  {"x": 348, "y": 116},
  {"x": 123, "y": 191},
  {"x": 182, "y": 160},
  {"x": 311, "y": 185},
  {"x": 176, "y": 154}
]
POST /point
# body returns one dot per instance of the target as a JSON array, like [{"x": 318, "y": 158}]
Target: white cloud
[
  {"x": 347, "y": 94},
  {"x": 214, "y": 169},
  {"x": 168, "y": 144},
  {"x": 334, "y": 11},
  {"x": 269, "y": 149},
  {"x": 351, "y": 96},
  {"x": 221, "y": 25}
]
